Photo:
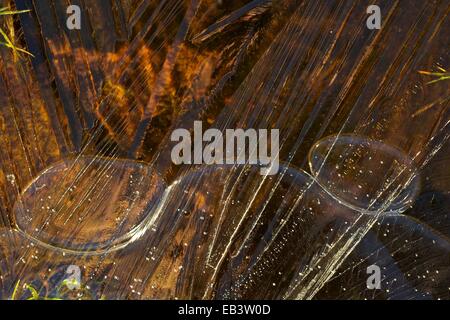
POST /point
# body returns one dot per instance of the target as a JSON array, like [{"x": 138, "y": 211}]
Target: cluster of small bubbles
[{"x": 11, "y": 178}]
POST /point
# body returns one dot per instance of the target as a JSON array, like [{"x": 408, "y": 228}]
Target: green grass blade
[
  {"x": 6, "y": 11},
  {"x": 16, "y": 288},
  {"x": 9, "y": 44}
]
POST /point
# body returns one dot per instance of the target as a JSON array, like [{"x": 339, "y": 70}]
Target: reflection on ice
[
  {"x": 414, "y": 260},
  {"x": 226, "y": 231},
  {"x": 88, "y": 203},
  {"x": 218, "y": 231},
  {"x": 364, "y": 173}
]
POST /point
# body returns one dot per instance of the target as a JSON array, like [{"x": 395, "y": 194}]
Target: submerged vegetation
[
  {"x": 86, "y": 170},
  {"x": 34, "y": 293},
  {"x": 61, "y": 293}
]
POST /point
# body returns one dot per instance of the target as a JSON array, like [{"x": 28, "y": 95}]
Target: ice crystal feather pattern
[{"x": 87, "y": 181}]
